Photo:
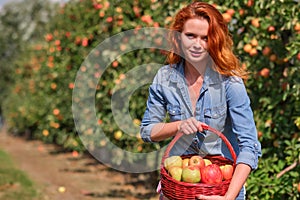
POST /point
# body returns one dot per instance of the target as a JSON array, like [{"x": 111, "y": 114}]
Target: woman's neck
[{"x": 194, "y": 72}]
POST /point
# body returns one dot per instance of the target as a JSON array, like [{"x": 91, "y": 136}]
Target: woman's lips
[{"x": 196, "y": 53}]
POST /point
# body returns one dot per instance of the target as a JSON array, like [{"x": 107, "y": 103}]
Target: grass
[{"x": 14, "y": 183}]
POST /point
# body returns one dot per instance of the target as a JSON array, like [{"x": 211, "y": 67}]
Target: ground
[{"x": 61, "y": 175}]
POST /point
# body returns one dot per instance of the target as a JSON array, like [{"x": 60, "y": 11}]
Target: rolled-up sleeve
[
  {"x": 243, "y": 125},
  {"x": 155, "y": 110}
]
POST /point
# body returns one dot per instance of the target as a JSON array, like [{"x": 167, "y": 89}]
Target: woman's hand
[{"x": 190, "y": 126}]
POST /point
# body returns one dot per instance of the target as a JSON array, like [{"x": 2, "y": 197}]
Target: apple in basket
[
  {"x": 207, "y": 162},
  {"x": 175, "y": 172},
  {"x": 185, "y": 162},
  {"x": 197, "y": 161},
  {"x": 191, "y": 174},
  {"x": 172, "y": 161},
  {"x": 211, "y": 174},
  {"x": 227, "y": 171}
]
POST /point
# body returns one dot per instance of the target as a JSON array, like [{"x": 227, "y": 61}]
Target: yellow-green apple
[
  {"x": 207, "y": 162},
  {"x": 211, "y": 174},
  {"x": 185, "y": 162},
  {"x": 172, "y": 161},
  {"x": 197, "y": 161},
  {"x": 191, "y": 174},
  {"x": 227, "y": 171},
  {"x": 176, "y": 172}
]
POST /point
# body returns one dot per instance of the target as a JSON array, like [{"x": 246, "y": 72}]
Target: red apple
[
  {"x": 211, "y": 174},
  {"x": 273, "y": 57},
  {"x": 247, "y": 48},
  {"x": 227, "y": 171},
  {"x": 241, "y": 12},
  {"x": 250, "y": 3},
  {"x": 255, "y": 22},
  {"x": 265, "y": 72},
  {"x": 298, "y": 56},
  {"x": 197, "y": 161},
  {"x": 271, "y": 29},
  {"x": 253, "y": 52},
  {"x": 230, "y": 11},
  {"x": 185, "y": 162},
  {"x": 227, "y": 17},
  {"x": 266, "y": 51},
  {"x": 191, "y": 174}
]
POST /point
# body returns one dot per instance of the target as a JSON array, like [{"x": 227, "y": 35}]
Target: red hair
[{"x": 219, "y": 39}]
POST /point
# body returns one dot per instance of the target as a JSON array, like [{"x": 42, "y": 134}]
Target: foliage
[
  {"x": 14, "y": 183},
  {"x": 21, "y": 24},
  {"x": 266, "y": 35}
]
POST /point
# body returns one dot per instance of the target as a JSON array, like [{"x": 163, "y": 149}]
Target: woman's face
[{"x": 194, "y": 40}]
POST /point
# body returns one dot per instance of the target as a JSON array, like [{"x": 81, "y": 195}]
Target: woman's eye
[{"x": 190, "y": 36}]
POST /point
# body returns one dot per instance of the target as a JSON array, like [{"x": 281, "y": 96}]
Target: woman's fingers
[
  {"x": 200, "y": 126},
  {"x": 190, "y": 126}
]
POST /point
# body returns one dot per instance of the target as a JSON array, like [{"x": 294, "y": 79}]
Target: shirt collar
[
  {"x": 210, "y": 77},
  {"x": 177, "y": 72}
]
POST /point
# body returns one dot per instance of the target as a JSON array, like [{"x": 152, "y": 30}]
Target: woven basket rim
[{"x": 190, "y": 190}]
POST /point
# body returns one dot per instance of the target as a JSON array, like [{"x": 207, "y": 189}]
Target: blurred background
[{"x": 44, "y": 42}]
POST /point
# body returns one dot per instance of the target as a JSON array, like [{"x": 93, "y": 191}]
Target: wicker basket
[{"x": 178, "y": 190}]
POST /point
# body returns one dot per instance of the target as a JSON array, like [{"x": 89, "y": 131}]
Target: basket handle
[{"x": 205, "y": 127}]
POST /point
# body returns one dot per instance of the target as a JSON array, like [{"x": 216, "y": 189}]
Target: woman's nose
[{"x": 197, "y": 43}]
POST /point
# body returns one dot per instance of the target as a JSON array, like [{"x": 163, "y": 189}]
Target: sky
[{"x": 2, "y": 2}]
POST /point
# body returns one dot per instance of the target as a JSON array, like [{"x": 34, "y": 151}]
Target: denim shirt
[{"x": 223, "y": 104}]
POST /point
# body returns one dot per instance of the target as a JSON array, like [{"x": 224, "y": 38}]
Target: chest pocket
[
  {"x": 175, "y": 112},
  {"x": 216, "y": 116}
]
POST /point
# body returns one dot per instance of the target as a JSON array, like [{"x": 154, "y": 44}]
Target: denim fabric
[{"x": 223, "y": 104}]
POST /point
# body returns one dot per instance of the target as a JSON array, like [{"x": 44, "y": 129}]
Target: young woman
[{"x": 203, "y": 83}]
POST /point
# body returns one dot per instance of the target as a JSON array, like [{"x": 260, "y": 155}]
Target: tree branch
[{"x": 292, "y": 166}]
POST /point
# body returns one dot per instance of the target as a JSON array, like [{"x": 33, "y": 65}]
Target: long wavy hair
[{"x": 220, "y": 43}]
